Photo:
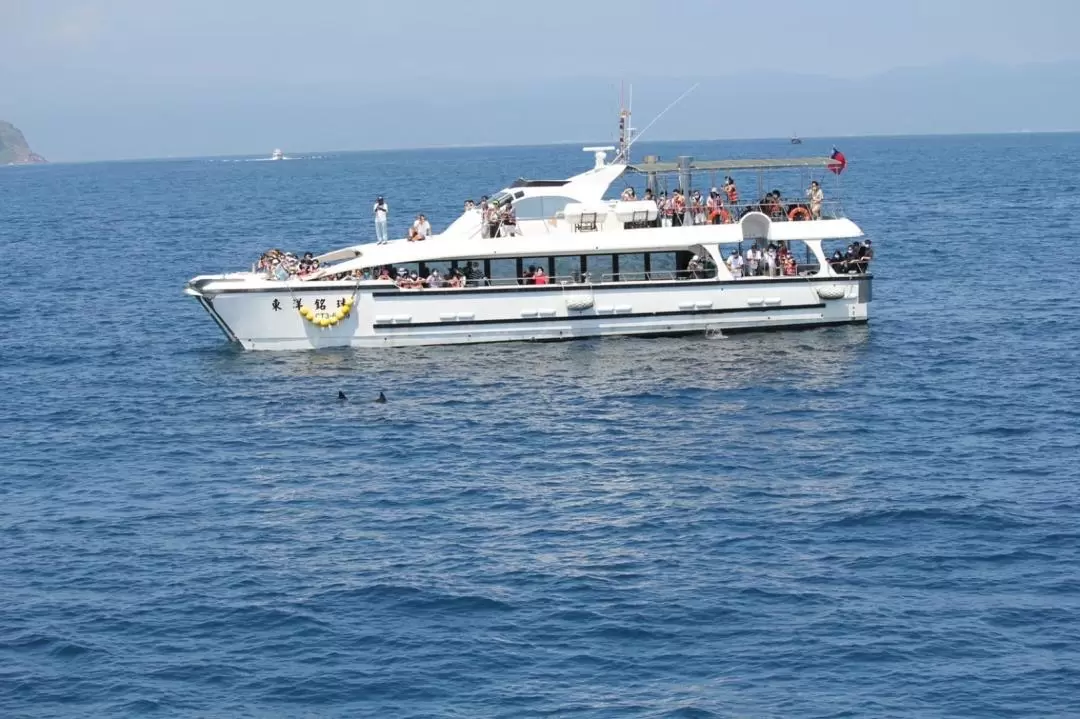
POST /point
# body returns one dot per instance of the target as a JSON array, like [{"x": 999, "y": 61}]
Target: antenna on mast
[{"x": 625, "y": 153}]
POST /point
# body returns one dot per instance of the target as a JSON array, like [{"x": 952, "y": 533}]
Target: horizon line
[{"x": 553, "y": 143}]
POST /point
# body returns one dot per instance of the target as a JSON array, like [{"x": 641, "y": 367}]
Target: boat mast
[{"x": 622, "y": 153}]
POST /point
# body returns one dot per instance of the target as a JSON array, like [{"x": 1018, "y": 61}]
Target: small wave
[
  {"x": 974, "y": 518},
  {"x": 458, "y": 603},
  {"x": 1004, "y": 431},
  {"x": 690, "y": 713},
  {"x": 628, "y": 632},
  {"x": 395, "y": 595},
  {"x": 69, "y": 650},
  {"x": 142, "y": 706}
]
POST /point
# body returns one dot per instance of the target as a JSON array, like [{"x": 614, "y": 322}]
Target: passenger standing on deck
[
  {"x": 754, "y": 260},
  {"x": 697, "y": 209},
  {"x": 816, "y": 198},
  {"x": 508, "y": 218},
  {"x": 484, "y": 229},
  {"x": 678, "y": 204},
  {"x": 712, "y": 205},
  {"x": 736, "y": 262},
  {"x": 771, "y": 260},
  {"x": 665, "y": 206},
  {"x": 649, "y": 197},
  {"x": 731, "y": 191},
  {"x": 491, "y": 220},
  {"x": 381, "y": 211}
]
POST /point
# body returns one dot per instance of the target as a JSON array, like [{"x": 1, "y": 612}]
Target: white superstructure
[
  {"x": 613, "y": 266},
  {"x": 277, "y": 154}
]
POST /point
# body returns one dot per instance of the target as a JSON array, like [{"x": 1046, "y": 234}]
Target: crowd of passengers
[
  {"x": 284, "y": 265},
  {"x": 855, "y": 260},
  {"x": 776, "y": 260},
  {"x": 499, "y": 219},
  {"x": 722, "y": 205}
]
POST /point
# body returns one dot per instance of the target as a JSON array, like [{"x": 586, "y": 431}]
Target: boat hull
[{"x": 266, "y": 318}]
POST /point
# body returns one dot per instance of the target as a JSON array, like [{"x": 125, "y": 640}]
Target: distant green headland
[{"x": 13, "y": 147}]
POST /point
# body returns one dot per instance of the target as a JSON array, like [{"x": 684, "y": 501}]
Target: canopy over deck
[{"x": 731, "y": 165}]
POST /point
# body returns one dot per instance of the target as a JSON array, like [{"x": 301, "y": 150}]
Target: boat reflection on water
[{"x": 807, "y": 359}]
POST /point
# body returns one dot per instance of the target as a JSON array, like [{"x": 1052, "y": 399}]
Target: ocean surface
[{"x": 876, "y": 521}]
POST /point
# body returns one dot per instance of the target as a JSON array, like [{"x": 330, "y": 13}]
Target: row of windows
[
  {"x": 618, "y": 267},
  {"x": 625, "y": 267}
]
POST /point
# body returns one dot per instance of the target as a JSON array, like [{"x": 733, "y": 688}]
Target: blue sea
[{"x": 867, "y": 521}]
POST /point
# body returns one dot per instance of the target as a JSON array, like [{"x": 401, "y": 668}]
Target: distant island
[{"x": 13, "y": 147}]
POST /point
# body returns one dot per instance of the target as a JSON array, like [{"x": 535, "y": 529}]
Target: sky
[{"x": 115, "y": 79}]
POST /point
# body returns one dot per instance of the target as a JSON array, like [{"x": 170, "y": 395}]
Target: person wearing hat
[
  {"x": 381, "y": 212},
  {"x": 694, "y": 268},
  {"x": 697, "y": 208},
  {"x": 713, "y": 205}
]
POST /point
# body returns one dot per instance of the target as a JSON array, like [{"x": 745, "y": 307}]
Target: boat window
[
  {"x": 631, "y": 268},
  {"x": 534, "y": 262},
  {"x": 600, "y": 268},
  {"x": 503, "y": 272},
  {"x": 568, "y": 268},
  {"x": 661, "y": 265},
  {"x": 540, "y": 208}
]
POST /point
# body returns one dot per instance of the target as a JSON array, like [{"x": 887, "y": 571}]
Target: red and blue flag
[{"x": 839, "y": 162}]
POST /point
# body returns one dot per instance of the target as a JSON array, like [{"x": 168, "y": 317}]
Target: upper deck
[{"x": 553, "y": 217}]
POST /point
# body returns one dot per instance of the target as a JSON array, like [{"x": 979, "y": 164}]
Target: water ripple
[{"x": 874, "y": 521}]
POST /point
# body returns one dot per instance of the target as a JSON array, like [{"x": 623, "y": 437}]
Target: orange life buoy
[
  {"x": 799, "y": 213},
  {"x": 724, "y": 215}
]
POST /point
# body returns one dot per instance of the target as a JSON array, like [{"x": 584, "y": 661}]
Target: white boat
[
  {"x": 277, "y": 155},
  {"x": 614, "y": 267}
]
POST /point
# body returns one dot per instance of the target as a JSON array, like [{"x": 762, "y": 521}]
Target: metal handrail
[{"x": 830, "y": 209}]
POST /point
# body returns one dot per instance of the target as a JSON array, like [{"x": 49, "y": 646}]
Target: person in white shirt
[
  {"x": 736, "y": 264},
  {"x": 753, "y": 261},
  {"x": 816, "y": 198},
  {"x": 381, "y": 211},
  {"x": 421, "y": 229}
]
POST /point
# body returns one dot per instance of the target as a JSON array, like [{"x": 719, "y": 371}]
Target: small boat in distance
[
  {"x": 277, "y": 155},
  {"x": 795, "y": 139}
]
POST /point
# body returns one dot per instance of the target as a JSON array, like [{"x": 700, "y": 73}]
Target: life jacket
[{"x": 732, "y": 194}]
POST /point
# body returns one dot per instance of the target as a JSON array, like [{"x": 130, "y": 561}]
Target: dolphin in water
[
  {"x": 341, "y": 396},
  {"x": 381, "y": 399}
]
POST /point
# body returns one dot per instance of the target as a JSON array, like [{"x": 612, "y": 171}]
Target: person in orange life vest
[
  {"x": 731, "y": 191},
  {"x": 678, "y": 214}
]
